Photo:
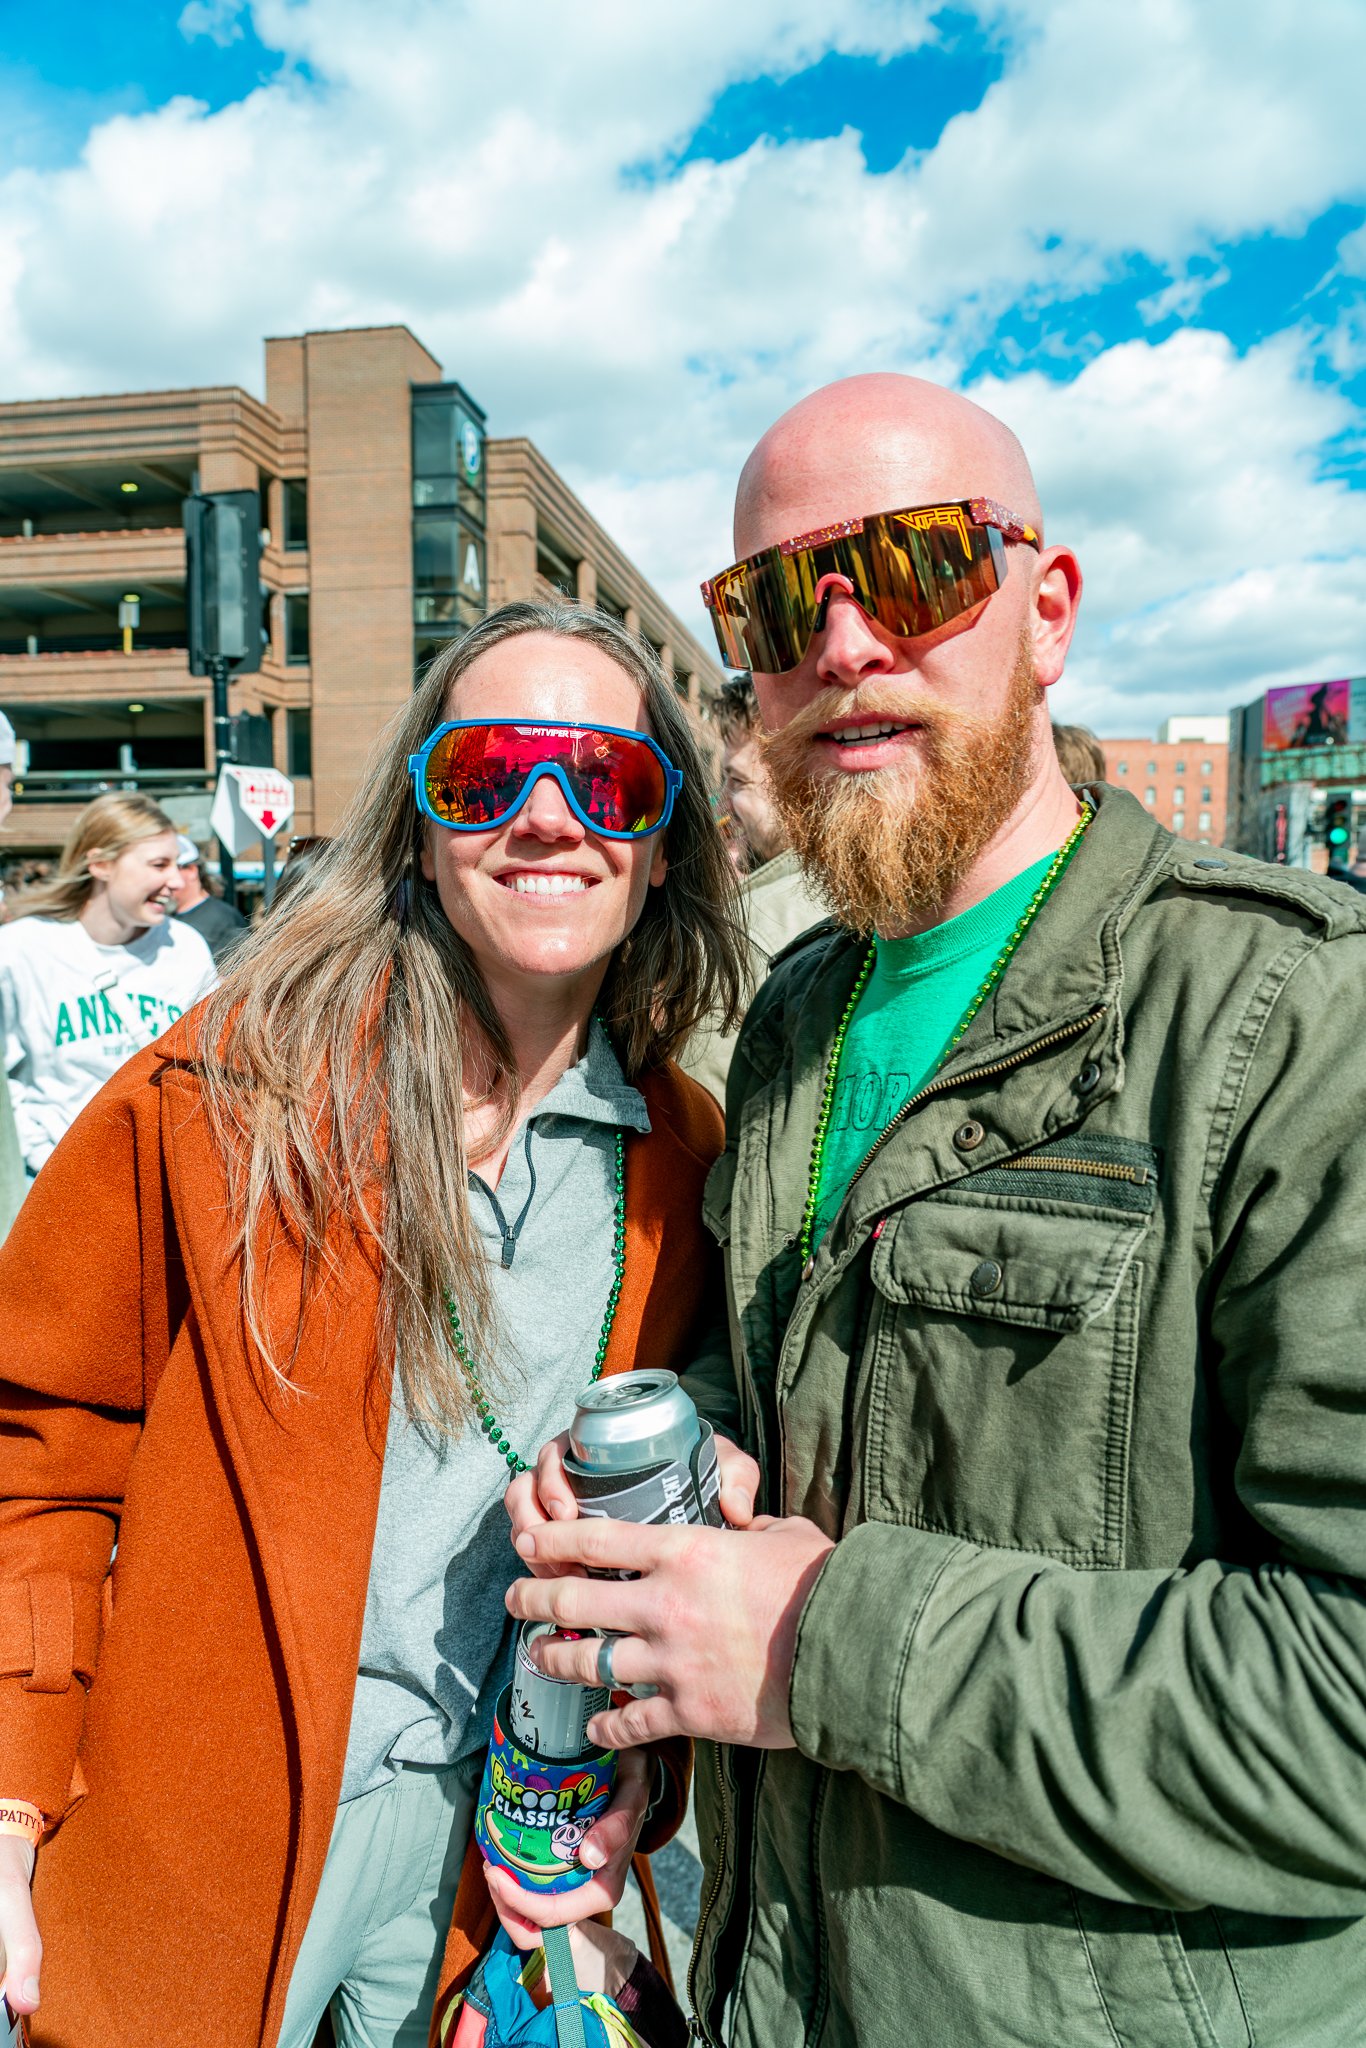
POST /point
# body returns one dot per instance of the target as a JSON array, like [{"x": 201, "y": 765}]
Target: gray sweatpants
[{"x": 374, "y": 1941}]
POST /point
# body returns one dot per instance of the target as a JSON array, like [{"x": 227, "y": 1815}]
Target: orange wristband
[{"x": 17, "y": 1817}]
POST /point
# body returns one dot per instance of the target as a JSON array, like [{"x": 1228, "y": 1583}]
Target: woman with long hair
[
  {"x": 348, "y": 1242},
  {"x": 93, "y": 965}
]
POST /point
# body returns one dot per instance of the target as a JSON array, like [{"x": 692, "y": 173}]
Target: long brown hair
[
  {"x": 333, "y": 1052},
  {"x": 106, "y": 828}
]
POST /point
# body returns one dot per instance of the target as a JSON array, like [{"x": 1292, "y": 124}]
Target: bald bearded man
[{"x": 1039, "y": 1700}]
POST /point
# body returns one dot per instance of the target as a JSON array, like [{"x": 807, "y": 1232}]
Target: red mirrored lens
[{"x": 476, "y": 774}]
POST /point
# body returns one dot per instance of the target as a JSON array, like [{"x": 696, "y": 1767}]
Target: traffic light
[
  {"x": 223, "y": 581},
  {"x": 1337, "y": 828}
]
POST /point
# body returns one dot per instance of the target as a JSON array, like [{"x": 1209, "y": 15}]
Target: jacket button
[
  {"x": 1088, "y": 1078},
  {"x": 985, "y": 1278},
  {"x": 969, "y": 1136}
]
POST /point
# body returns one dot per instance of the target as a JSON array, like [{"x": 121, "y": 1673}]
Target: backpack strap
[{"x": 564, "y": 1987}]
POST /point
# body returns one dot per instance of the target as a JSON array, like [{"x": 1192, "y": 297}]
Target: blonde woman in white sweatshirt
[{"x": 94, "y": 966}]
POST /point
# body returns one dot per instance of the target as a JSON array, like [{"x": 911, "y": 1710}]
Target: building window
[
  {"x": 1204, "y": 821},
  {"x": 294, "y": 497},
  {"x": 296, "y": 627},
  {"x": 448, "y": 570},
  {"x": 1150, "y": 796},
  {"x": 1205, "y": 796},
  {"x": 1206, "y": 767},
  {"x": 298, "y": 742},
  {"x": 448, "y": 450},
  {"x": 554, "y": 566},
  {"x": 1121, "y": 767},
  {"x": 1180, "y": 767},
  {"x": 1152, "y": 767}
]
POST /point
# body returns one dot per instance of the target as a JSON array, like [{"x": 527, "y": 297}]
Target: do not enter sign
[{"x": 249, "y": 805}]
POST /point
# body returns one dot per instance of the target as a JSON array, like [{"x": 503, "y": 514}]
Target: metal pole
[
  {"x": 222, "y": 752},
  {"x": 268, "y": 868}
]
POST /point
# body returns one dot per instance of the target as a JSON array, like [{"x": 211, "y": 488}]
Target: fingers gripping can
[
  {"x": 640, "y": 1452},
  {"x": 545, "y": 1784}
]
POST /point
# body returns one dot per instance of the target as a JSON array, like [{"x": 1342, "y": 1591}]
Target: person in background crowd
[
  {"x": 1080, "y": 754},
  {"x": 1042, "y": 1695},
  {"x": 303, "y": 857},
  {"x": 282, "y": 1314},
  {"x": 777, "y": 901},
  {"x": 218, "y": 924},
  {"x": 93, "y": 966},
  {"x": 13, "y": 1179}
]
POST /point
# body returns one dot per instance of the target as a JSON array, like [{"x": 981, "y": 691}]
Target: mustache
[{"x": 900, "y": 706}]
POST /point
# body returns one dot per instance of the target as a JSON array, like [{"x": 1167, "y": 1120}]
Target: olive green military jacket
[{"x": 1077, "y": 1381}]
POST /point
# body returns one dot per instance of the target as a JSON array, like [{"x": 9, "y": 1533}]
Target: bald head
[{"x": 874, "y": 444}]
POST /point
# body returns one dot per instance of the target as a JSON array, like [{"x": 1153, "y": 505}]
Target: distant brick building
[
  {"x": 393, "y": 524},
  {"x": 1182, "y": 781}
]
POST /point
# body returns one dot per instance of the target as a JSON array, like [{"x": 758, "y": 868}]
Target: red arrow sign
[{"x": 268, "y": 820}]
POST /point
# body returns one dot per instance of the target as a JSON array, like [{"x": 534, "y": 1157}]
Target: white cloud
[
  {"x": 470, "y": 170},
  {"x": 1217, "y": 560},
  {"x": 219, "y": 20}
]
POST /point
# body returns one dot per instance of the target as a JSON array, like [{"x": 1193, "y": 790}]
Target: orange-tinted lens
[
  {"x": 911, "y": 571},
  {"x": 476, "y": 774}
]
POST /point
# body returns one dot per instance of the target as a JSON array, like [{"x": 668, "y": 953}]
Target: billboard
[{"x": 1301, "y": 715}]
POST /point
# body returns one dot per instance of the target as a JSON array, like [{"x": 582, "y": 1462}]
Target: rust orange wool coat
[{"x": 185, "y": 1716}]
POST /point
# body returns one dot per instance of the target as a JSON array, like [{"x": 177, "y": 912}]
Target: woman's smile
[{"x": 543, "y": 883}]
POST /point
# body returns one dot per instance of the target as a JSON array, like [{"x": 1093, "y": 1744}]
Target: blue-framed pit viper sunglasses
[{"x": 475, "y": 773}]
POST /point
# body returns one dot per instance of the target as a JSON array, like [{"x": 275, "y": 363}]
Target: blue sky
[{"x": 638, "y": 234}]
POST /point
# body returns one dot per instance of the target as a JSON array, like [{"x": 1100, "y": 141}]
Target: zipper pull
[{"x": 509, "y": 1249}]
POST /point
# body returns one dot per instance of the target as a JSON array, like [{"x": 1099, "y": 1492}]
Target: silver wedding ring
[{"x": 607, "y": 1677}]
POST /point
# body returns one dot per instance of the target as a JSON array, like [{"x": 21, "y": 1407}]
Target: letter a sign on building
[{"x": 250, "y": 805}]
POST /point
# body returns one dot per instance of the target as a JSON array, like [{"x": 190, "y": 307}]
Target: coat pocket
[
  {"x": 1165, "y": 1979},
  {"x": 1000, "y": 1366}
]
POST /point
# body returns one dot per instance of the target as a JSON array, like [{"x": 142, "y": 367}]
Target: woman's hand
[
  {"x": 23, "y": 1951},
  {"x": 607, "y": 1851},
  {"x": 542, "y": 1495},
  {"x": 603, "y": 1959},
  {"x": 545, "y": 1495}
]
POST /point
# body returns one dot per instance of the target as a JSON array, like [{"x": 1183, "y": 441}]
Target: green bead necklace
[
  {"x": 483, "y": 1408},
  {"x": 997, "y": 969}
]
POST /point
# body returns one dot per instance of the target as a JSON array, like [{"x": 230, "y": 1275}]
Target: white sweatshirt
[{"x": 72, "y": 1012}]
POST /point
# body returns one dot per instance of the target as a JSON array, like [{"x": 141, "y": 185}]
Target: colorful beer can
[{"x": 534, "y": 1812}]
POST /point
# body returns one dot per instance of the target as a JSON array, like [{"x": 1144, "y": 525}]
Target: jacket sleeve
[
  {"x": 1171, "y": 1738},
  {"x": 85, "y": 1310}
]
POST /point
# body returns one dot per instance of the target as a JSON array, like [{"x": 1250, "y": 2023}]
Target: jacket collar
[{"x": 1069, "y": 964}]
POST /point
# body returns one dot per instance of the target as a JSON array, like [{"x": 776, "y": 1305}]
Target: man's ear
[{"x": 1056, "y": 600}]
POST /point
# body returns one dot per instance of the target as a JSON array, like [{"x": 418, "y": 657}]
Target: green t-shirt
[{"x": 910, "y": 1009}]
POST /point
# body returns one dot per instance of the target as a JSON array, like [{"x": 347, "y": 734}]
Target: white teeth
[
  {"x": 855, "y": 735},
  {"x": 547, "y": 885}
]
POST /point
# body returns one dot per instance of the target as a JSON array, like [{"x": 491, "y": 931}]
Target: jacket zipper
[
  {"x": 940, "y": 1087},
  {"x": 1103, "y": 1169},
  {"x": 704, "y": 2027}
]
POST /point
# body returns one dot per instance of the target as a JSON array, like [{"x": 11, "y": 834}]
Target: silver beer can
[
  {"x": 550, "y": 1716},
  {"x": 640, "y": 1452}
]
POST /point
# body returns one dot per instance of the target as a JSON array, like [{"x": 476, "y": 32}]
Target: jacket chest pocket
[{"x": 1000, "y": 1366}]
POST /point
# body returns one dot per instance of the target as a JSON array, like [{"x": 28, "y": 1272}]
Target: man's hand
[
  {"x": 607, "y": 1849},
  {"x": 711, "y": 1620},
  {"x": 22, "y": 1950},
  {"x": 545, "y": 1495}
]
